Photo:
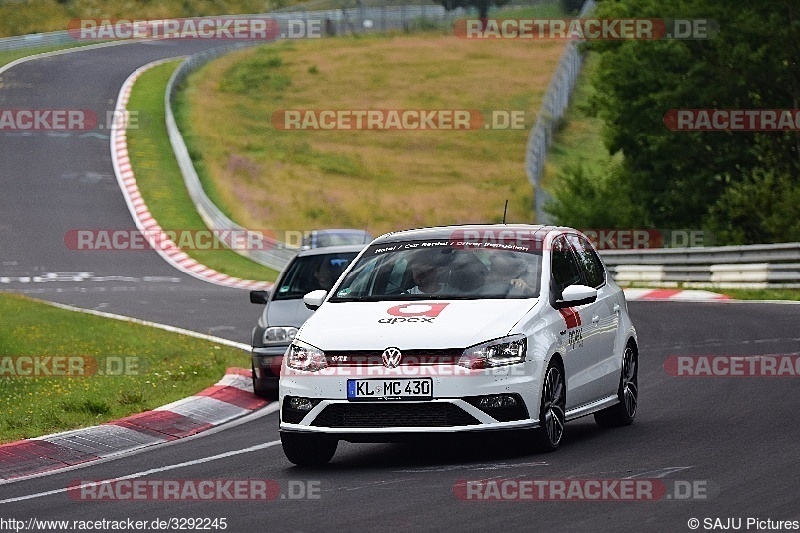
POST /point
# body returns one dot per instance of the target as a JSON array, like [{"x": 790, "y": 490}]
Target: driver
[
  {"x": 326, "y": 274},
  {"x": 426, "y": 266}
]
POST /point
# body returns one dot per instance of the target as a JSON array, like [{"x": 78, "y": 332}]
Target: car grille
[
  {"x": 382, "y": 415},
  {"x": 449, "y": 356}
]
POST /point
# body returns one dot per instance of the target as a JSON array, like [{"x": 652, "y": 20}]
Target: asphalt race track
[
  {"x": 56, "y": 182},
  {"x": 734, "y": 440}
]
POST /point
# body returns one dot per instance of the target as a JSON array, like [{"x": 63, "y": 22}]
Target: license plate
[{"x": 390, "y": 389}]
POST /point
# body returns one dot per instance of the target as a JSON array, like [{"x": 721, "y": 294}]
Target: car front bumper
[
  {"x": 455, "y": 405},
  {"x": 267, "y": 367}
]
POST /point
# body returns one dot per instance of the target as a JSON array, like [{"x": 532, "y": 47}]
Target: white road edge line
[
  {"x": 268, "y": 410},
  {"x": 60, "y": 52},
  {"x": 118, "y": 144},
  {"x": 165, "y": 327},
  {"x": 143, "y": 473}
]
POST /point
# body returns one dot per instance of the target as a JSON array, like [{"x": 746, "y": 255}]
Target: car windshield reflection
[{"x": 438, "y": 270}]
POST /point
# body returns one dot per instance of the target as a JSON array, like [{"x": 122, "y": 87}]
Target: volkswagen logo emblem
[{"x": 391, "y": 357}]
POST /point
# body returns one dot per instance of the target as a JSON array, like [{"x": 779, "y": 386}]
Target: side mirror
[
  {"x": 315, "y": 298},
  {"x": 259, "y": 297},
  {"x": 576, "y": 295}
]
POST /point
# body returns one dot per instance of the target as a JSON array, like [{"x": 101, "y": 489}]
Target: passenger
[{"x": 507, "y": 276}]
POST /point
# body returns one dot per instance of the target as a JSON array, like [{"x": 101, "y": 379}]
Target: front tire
[
  {"x": 547, "y": 437},
  {"x": 308, "y": 450},
  {"x": 623, "y": 413}
]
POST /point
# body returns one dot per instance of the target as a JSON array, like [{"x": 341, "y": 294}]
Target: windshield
[
  {"x": 439, "y": 270},
  {"x": 311, "y": 272}
]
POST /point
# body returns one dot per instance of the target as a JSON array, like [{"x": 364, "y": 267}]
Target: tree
[{"x": 687, "y": 179}]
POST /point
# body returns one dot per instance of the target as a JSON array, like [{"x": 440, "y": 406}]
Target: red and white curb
[
  {"x": 693, "y": 295},
  {"x": 145, "y": 222},
  {"x": 232, "y": 397}
]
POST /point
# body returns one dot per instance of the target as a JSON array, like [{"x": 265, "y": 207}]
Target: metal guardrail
[
  {"x": 753, "y": 266},
  {"x": 337, "y": 21},
  {"x": 554, "y": 104},
  {"x": 35, "y": 40},
  {"x": 277, "y": 255}
]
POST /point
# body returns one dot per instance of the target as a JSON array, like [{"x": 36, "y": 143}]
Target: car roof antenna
[{"x": 505, "y": 210}]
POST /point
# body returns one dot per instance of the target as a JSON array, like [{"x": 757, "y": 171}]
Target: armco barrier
[
  {"x": 754, "y": 266},
  {"x": 35, "y": 40},
  {"x": 279, "y": 254}
]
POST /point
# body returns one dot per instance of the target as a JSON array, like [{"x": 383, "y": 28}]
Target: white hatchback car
[{"x": 460, "y": 329}]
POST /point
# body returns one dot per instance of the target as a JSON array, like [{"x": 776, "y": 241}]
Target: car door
[
  {"x": 602, "y": 319},
  {"x": 579, "y": 360}
]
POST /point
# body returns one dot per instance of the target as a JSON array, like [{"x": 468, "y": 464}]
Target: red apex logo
[{"x": 416, "y": 309}]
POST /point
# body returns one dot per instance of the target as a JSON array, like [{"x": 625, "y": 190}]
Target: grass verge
[
  {"x": 167, "y": 367},
  {"x": 762, "y": 294},
  {"x": 160, "y": 181},
  {"x": 376, "y": 180}
]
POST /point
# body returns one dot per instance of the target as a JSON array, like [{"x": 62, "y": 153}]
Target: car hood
[
  {"x": 286, "y": 313},
  {"x": 412, "y": 325}
]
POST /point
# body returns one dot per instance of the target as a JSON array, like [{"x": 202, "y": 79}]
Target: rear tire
[
  {"x": 547, "y": 437},
  {"x": 624, "y": 412},
  {"x": 308, "y": 450}
]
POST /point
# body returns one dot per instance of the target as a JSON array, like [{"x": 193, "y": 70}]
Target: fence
[
  {"x": 340, "y": 19},
  {"x": 554, "y": 104}
]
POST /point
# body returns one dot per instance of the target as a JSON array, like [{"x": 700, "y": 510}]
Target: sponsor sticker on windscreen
[{"x": 390, "y": 389}]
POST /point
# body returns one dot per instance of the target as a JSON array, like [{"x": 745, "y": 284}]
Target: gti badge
[{"x": 391, "y": 357}]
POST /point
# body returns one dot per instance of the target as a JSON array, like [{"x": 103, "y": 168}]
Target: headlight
[
  {"x": 499, "y": 352},
  {"x": 303, "y": 356},
  {"x": 279, "y": 335}
]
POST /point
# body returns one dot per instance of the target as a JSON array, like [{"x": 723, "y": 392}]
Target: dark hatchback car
[{"x": 285, "y": 312}]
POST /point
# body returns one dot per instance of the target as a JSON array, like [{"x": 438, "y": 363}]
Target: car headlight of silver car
[
  {"x": 499, "y": 352},
  {"x": 279, "y": 335},
  {"x": 303, "y": 356}
]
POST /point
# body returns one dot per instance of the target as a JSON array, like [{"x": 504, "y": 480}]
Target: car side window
[
  {"x": 565, "y": 270},
  {"x": 589, "y": 261}
]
